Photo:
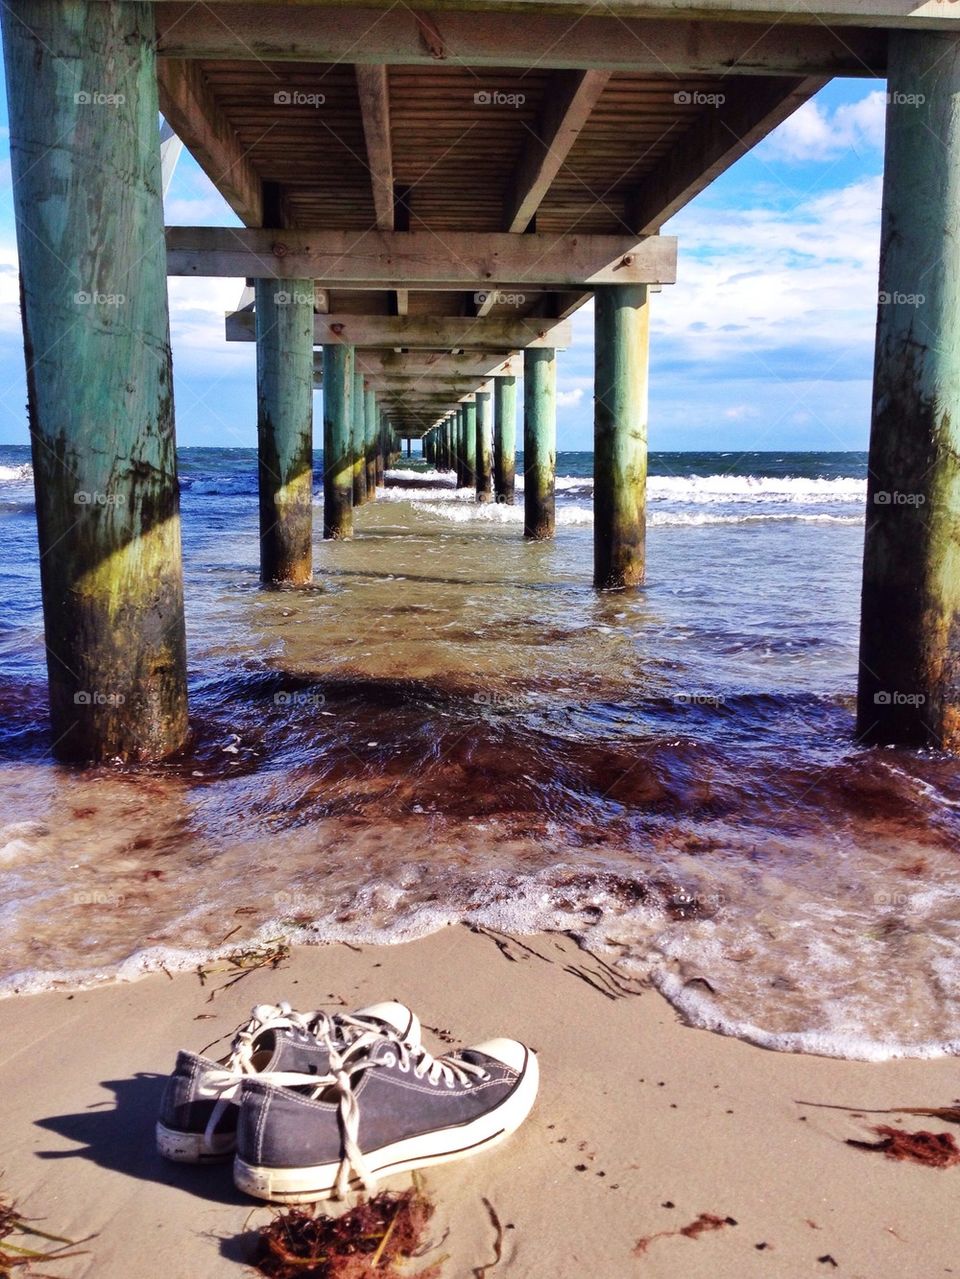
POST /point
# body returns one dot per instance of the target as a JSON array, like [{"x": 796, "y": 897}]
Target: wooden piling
[
  {"x": 470, "y": 444},
  {"x": 504, "y": 439},
  {"x": 621, "y": 343},
  {"x": 284, "y": 311},
  {"x": 909, "y": 684},
  {"x": 338, "y": 381},
  {"x": 539, "y": 442},
  {"x": 358, "y": 438},
  {"x": 459, "y": 434},
  {"x": 484, "y": 447},
  {"x": 85, "y": 154},
  {"x": 371, "y": 423}
]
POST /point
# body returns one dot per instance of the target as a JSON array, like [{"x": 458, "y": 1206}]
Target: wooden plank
[
  {"x": 931, "y": 15},
  {"x": 451, "y": 386},
  {"x": 431, "y": 333},
  {"x": 375, "y": 113},
  {"x": 723, "y": 134},
  {"x": 398, "y": 259},
  {"x": 412, "y": 364},
  {"x": 647, "y": 40},
  {"x": 188, "y": 106},
  {"x": 568, "y": 101}
]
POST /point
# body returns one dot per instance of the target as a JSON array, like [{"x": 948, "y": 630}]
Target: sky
[{"x": 764, "y": 343}]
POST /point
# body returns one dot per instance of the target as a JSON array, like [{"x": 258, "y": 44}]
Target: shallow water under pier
[{"x": 451, "y": 723}]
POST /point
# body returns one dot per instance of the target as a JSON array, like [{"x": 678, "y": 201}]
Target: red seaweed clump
[
  {"x": 931, "y": 1149},
  {"x": 367, "y": 1242}
]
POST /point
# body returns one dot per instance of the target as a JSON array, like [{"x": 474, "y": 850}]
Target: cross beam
[
  {"x": 407, "y": 259},
  {"x": 425, "y": 333},
  {"x": 668, "y": 45}
]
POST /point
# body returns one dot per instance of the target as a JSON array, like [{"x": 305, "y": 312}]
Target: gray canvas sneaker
[
  {"x": 198, "y": 1110},
  {"x": 390, "y": 1108}
]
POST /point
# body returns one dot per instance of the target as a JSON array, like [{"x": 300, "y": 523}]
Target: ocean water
[{"x": 450, "y": 724}]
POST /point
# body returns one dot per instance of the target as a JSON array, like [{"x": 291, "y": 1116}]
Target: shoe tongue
[{"x": 395, "y": 1016}]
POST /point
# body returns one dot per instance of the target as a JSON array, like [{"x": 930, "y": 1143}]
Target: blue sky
[{"x": 764, "y": 342}]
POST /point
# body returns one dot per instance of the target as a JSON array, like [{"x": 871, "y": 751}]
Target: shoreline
[{"x": 637, "y": 1111}]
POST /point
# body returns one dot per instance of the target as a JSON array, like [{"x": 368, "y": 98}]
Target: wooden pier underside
[{"x": 463, "y": 127}]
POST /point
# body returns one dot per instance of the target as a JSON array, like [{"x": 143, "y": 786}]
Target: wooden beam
[
  {"x": 723, "y": 134},
  {"x": 452, "y": 386},
  {"x": 398, "y": 259},
  {"x": 694, "y": 43},
  {"x": 189, "y": 107},
  {"x": 375, "y": 113},
  {"x": 412, "y": 364},
  {"x": 567, "y": 102},
  {"x": 431, "y": 333}
]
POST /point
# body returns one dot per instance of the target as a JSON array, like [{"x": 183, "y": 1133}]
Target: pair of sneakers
[{"x": 316, "y": 1104}]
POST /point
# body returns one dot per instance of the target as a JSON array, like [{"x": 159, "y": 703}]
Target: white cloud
[
  {"x": 816, "y": 133},
  {"x": 755, "y": 278},
  {"x": 567, "y": 399}
]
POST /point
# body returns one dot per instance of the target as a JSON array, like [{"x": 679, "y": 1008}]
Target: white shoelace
[
  {"x": 343, "y": 1067},
  {"x": 226, "y": 1081}
]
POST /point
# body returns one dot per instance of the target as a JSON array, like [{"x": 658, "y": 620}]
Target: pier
[{"x": 426, "y": 197}]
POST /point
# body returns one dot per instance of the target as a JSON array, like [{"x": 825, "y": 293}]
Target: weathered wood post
[
  {"x": 484, "y": 447},
  {"x": 504, "y": 439},
  {"x": 621, "y": 345},
  {"x": 409, "y": 446},
  {"x": 470, "y": 444},
  {"x": 539, "y": 442},
  {"x": 338, "y": 380},
  {"x": 371, "y": 420},
  {"x": 381, "y": 445},
  {"x": 85, "y": 151},
  {"x": 284, "y": 311},
  {"x": 358, "y": 438},
  {"x": 909, "y": 686},
  {"x": 459, "y": 456}
]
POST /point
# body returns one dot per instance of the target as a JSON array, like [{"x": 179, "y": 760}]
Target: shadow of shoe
[{"x": 121, "y": 1137}]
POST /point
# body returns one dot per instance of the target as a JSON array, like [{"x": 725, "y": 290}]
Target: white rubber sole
[
  {"x": 191, "y": 1147},
  {"x": 308, "y": 1185}
]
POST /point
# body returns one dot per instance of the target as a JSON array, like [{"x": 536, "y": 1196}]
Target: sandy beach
[{"x": 642, "y": 1125}]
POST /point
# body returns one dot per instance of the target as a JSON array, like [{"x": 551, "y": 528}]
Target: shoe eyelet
[
  {"x": 389, "y": 1059},
  {"x": 404, "y": 1066}
]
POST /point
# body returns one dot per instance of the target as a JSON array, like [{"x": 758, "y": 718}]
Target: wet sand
[{"x": 642, "y": 1125}]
